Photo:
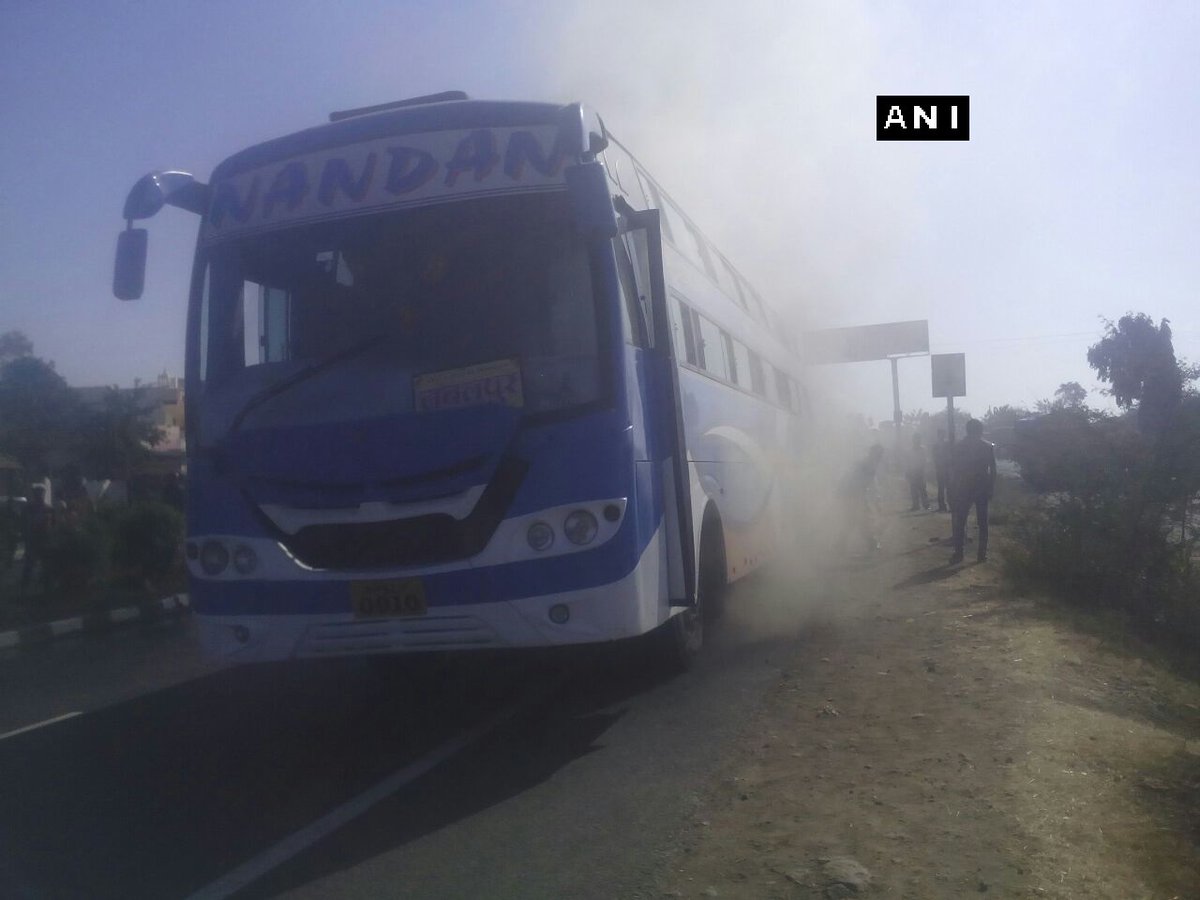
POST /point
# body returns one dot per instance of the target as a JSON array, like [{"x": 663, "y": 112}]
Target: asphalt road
[{"x": 159, "y": 775}]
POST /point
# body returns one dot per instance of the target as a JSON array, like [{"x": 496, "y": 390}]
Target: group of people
[{"x": 966, "y": 479}]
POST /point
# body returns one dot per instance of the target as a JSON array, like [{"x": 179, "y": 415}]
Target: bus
[{"x": 460, "y": 374}]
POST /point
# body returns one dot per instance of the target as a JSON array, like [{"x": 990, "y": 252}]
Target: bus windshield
[{"x": 484, "y": 301}]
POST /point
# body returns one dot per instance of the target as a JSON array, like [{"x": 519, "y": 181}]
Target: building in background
[{"x": 161, "y": 402}]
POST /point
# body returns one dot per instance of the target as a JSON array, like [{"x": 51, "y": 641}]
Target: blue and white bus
[{"x": 460, "y": 374}]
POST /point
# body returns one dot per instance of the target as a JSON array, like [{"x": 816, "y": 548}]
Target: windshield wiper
[{"x": 304, "y": 374}]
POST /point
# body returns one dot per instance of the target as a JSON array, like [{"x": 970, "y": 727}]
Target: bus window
[
  {"x": 687, "y": 239},
  {"x": 680, "y": 236},
  {"x": 782, "y": 389},
  {"x": 274, "y": 323},
  {"x": 758, "y": 380},
  {"x": 725, "y": 280},
  {"x": 264, "y": 324},
  {"x": 731, "y": 359},
  {"x": 414, "y": 293},
  {"x": 611, "y": 166},
  {"x": 757, "y": 308},
  {"x": 706, "y": 257},
  {"x": 712, "y": 349},
  {"x": 735, "y": 291},
  {"x": 682, "y": 351},
  {"x": 620, "y": 165},
  {"x": 651, "y": 190},
  {"x": 687, "y": 323},
  {"x": 743, "y": 364},
  {"x": 798, "y": 398},
  {"x": 633, "y": 322}
]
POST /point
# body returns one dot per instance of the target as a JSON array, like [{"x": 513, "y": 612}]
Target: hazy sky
[{"x": 1077, "y": 197}]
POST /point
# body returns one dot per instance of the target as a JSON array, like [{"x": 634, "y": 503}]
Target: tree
[
  {"x": 14, "y": 345},
  {"x": 1006, "y": 416},
  {"x": 38, "y": 412},
  {"x": 116, "y": 438},
  {"x": 1070, "y": 395},
  {"x": 1138, "y": 359}
]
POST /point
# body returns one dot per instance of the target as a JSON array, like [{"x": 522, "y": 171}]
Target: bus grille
[
  {"x": 393, "y": 635},
  {"x": 418, "y": 541}
]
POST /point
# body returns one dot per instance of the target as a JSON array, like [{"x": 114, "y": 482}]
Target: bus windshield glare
[{"x": 410, "y": 311}]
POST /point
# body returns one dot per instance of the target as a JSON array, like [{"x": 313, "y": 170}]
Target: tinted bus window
[
  {"x": 632, "y": 321},
  {"x": 712, "y": 346},
  {"x": 414, "y": 292},
  {"x": 742, "y": 365},
  {"x": 782, "y": 389},
  {"x": 683, "y": 319},
  {"x": 758, "y": 380}
]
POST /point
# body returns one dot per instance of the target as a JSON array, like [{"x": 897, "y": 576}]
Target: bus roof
[{"x": 452, "y": 114}]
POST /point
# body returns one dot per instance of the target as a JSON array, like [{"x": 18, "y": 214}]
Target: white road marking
[
  {"x": 296, "y": 843},
  {"x": 61, "y": 718},
  {"x": 66, "y": 626}
]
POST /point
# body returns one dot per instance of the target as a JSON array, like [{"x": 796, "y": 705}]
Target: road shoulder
[{"x": 935, "y": 736}]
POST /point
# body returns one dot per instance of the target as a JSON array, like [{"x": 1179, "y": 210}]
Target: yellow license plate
[{"x": 379, "y": 599}]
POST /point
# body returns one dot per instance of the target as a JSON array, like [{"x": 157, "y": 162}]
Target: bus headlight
[
  {"x": 540, "y": 536},
  {"x": 581, "y": 527},
  {"x": 214, "y": 558},
  {"x": 245, "y": 560}
]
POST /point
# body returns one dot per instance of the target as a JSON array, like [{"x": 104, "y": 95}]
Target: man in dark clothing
[
  {"x": 941, "y": 467},
  {"x": 972, "y": 481},
  {"x": 35, "y": 533},
  {"x": 915, "y": 472}
]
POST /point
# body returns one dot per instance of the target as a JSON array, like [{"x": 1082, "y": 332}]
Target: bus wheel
[{"x": 682, "y": 637}]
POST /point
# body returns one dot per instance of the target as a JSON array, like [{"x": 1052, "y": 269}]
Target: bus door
[{"x": 641, "y": 235}]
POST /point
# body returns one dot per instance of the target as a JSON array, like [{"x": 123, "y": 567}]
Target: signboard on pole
[
  {"x": 866, "y": 342},
  {"x": 949, "y": 374}
]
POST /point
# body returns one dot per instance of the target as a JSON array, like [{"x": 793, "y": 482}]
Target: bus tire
[
  {"x": 712, "y": 581},
  {"x": 681, "y": 638}
]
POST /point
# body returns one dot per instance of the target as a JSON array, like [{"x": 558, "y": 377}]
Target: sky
[{"x": 1076, "y": 199}]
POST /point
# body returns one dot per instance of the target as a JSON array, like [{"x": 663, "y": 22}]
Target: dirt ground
[{"x": 936, "y": 736}]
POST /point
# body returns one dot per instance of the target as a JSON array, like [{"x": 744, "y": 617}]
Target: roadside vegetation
[
  {"x": 113, "y": 555},
  {"x": 1111, "y": 517},
  {"x": 96, "y": 553}
]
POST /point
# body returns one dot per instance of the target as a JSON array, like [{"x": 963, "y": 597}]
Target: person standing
[
  {"x": 857, "y": 491},
  {"x": 972, "y": 482},
  {"x": 915, "y": 472},
  {"x": 35, "y": 533},
  {"x": 941, "y": 467}
]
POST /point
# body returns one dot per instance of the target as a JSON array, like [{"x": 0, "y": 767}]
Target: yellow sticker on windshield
[{"x": 492, "y": 382}]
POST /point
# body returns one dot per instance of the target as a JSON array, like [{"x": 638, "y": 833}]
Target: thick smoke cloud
[{"x": 758, "y": 117}]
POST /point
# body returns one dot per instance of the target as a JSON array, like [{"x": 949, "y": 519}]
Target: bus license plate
[{"x": 379, "y": 599}]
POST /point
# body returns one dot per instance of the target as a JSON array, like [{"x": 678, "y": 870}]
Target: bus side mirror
[
  {"x": 591, "y": 205},
  {"x": 129, "y": 271}
]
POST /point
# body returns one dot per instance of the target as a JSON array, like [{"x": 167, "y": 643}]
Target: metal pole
[
  {"x": 897, "y": 416},
  {"x": 950, "y": 419}
]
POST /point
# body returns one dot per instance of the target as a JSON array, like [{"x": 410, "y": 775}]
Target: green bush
[
  {"x": 1104, "y": 533},
  {"x": 146, "y": 540},
  {"x": 1077, "y": 451},
  {"x": 77, "y": 554}
]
